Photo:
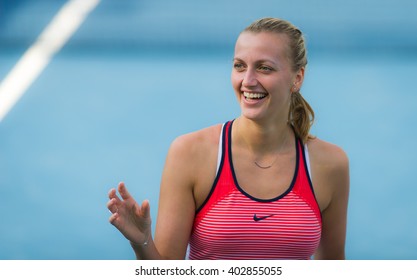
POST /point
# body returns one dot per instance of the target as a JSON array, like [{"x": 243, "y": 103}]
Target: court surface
[{"x": 137, "y": 74}]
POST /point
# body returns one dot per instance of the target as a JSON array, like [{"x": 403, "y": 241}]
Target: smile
[{"x": 254, "y": 95}]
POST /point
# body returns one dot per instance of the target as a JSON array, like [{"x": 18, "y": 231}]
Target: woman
[{"x": 258, "y": 187}]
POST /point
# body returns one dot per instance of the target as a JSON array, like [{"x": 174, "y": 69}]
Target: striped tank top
[{"x": 231, "y": 224}]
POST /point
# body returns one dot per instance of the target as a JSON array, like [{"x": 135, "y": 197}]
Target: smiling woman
[
  {"x": 259, "y": 187},
  {"x": 262, "y": 76},
  {"x": 276, "y": 58}
]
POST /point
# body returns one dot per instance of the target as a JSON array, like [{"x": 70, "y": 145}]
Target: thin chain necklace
[
  {"x": 276, "y": 157},
  {"x": 265, "y": 167},
  {"x": 275, "y": 160}
]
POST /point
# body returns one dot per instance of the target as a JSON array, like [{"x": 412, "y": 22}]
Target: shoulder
[
  {"x": 327, "y": 156},
  {"x": 197, "y": 141},
  {"x": 191, "y": 156},
  {"x": 194, "y": 150}
]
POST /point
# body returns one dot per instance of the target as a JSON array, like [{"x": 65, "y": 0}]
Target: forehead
[{"x": 264, "y": 44}]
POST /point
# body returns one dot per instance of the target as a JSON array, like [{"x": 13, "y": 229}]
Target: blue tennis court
[{"x": 136, "y": 74}]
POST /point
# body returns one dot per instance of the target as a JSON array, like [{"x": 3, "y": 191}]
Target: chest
[
  {"x": 264, "y": 183},
  {"x": 240, "y": 227}
]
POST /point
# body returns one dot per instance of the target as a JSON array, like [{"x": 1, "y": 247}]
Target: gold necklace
[
  {"x": 269, "y": 166},
  {"x": 265, "y": 167},
  {"x": 276, "y": 158}
]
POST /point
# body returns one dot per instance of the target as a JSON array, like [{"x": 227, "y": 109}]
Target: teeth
[{"x": 254, "y": 95}]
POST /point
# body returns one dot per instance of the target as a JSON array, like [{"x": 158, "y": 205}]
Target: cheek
[{"x": 236, "y": 81}]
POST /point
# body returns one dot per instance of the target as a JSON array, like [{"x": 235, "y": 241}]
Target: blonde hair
[{"x": 301, "y": 115}]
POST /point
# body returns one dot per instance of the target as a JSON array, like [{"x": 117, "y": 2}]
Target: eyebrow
[{"x": 258, "y": 61}]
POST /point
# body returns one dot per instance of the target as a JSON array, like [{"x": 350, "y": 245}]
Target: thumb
[{"x": 145, "y": 209}]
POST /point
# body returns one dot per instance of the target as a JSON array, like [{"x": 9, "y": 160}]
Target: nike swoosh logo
[{"x": 257, "y": 219}]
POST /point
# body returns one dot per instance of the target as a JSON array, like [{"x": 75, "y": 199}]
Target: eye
[
  {"x": 265, "y": 68},
  {"x": 238, "y": 66}
]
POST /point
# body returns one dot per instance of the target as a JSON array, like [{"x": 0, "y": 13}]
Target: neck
[{"x": 263, "y": 139}]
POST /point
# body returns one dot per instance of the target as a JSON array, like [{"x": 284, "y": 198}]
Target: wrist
[{"x": 141, "y": 244}]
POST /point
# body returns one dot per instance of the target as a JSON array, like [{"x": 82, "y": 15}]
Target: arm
[
  {"x": 176, "y": 200},
  {"x": 333, "y": 181}
]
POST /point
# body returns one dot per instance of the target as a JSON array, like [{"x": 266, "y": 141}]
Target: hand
[{"x": 130, "y": 218}]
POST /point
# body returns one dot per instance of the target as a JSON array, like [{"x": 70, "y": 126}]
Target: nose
[{"x": 249, "y": 79}]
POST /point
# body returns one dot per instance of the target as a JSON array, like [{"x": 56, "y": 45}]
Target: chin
[{"x": 253, "y": 116}]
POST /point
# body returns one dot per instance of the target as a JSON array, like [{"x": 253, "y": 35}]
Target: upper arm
[
  {"x": 334, "y": 179},
  {"x": 176, "y": 202}
]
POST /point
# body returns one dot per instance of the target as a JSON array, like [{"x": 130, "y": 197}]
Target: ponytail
[{"x": 301, "y": 116}]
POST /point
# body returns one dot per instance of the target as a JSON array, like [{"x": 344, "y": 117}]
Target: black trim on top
[
  {"x": 294, "y": 179},
  {"x": 219, "y": 171}
]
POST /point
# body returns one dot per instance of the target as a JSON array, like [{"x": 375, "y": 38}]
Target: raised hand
[{"x": 130, "y": 218}]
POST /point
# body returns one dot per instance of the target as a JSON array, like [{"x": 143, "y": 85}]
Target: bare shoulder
[
  {"x": 197, "y": 142},
  {"x": 193, "y": 156},
  {"x": 327, "y": 155},
  {"x": 194, "y": 151}
]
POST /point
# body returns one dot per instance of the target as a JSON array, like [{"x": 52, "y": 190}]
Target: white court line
[{"x": 37, "y": 57}]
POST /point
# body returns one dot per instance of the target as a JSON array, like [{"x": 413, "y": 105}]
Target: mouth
[{"x": 254, "y": 95}]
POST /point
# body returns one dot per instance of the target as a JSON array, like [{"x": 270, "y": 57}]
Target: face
[{"x": 262, "y": 76}]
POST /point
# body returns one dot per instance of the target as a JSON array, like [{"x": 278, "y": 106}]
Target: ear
[{"x": 299, "y": 78}]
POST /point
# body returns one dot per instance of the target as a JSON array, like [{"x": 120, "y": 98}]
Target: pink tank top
[{"x": 232, "y": 224}]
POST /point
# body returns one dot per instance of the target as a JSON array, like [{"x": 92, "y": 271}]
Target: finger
[
  {"x": 112, "y": 193},
  {"x": 112, "y": 205},
  {"x": 145, "y": 209},
  {"x": 123, "y": 191},
  {"x": 113, "y": 219}
]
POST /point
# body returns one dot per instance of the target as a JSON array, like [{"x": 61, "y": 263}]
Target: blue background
[{"x": 138, "y": 73}]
